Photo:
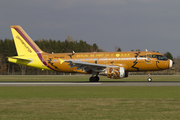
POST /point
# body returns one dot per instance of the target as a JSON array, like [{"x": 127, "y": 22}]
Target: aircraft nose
[{"x": 171, "y": 63}]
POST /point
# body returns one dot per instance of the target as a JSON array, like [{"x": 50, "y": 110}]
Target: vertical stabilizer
[{"x": 24, "y": 44}]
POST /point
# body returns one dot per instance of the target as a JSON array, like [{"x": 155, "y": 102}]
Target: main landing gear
[
  {"x": 149, "y": 78},
  {"x": 94, "y": 77}
]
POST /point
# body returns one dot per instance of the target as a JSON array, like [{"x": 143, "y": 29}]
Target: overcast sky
[{"x": 128, "y": 24}]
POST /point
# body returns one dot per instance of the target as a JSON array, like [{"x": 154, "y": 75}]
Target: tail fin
[{"x": 24, "y": 44}]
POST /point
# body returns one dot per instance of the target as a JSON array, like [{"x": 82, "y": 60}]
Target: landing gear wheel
[
  {"x": 149, "y": 79},
  {"x": 97, "y": 79},
  {"x": 94, "y": 79}
]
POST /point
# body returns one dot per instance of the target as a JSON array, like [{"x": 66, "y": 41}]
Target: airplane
[{"x": 114, "y": 65}]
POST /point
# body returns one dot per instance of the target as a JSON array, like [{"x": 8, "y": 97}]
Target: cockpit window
[
  {"x": 153, "y": 56},
  {"x": 161, "y": 57}
]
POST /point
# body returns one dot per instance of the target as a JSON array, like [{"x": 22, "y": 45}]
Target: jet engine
[{"x": 115, "y": 73}]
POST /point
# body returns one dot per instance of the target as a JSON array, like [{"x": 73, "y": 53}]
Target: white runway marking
[
  {"x": 175, "y": 83},
  {"x": 50, "y": 83}
]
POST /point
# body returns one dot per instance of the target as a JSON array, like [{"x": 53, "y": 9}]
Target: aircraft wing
[{"x": 85, "y": 66}]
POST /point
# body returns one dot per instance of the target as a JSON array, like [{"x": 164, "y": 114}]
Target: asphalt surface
[{"x": 122, "y": 83}]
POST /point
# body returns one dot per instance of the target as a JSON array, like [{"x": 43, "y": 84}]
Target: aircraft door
[
  {"x": 105, "y": 59},
  {"x": 148, "y": 58}
]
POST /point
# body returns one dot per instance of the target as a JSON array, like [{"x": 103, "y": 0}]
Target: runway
[{"x": 122, "y": 83}]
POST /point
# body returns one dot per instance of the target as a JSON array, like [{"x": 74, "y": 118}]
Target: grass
[{"x": 88, "y": 102}]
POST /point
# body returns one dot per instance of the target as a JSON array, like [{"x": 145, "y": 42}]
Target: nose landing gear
[{"x": 149, "y": 78}]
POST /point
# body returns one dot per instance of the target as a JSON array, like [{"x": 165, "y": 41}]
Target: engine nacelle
[{"x": 116, "y": 73}]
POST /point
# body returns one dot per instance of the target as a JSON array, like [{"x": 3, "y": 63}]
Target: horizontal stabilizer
[
  {"x": 25, "y": 59},
  {"x": 19, "y": 59}
]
